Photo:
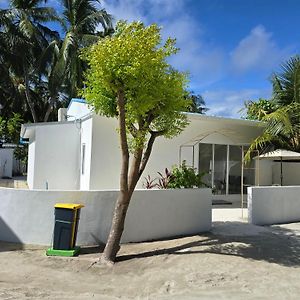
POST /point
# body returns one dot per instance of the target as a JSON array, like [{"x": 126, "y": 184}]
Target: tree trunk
[
  {"x": 113, "y": 243},
  {"x": 48, "y": 112},
  {"x": 128, "y": 182},
  {"x": 27, "y": 95}
]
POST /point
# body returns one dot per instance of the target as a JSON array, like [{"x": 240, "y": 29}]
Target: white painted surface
[
  {"x": 58, "y": 154},
  {"x": 62, "y": 114},
  {"x": 27, "y": 215},
  {"x": 56, "y": 157},
  {"x": 77, "y": 110},
  {"x": 106, "y": 160},
  {"x": 263, "y": 172},
  {"x": 86, "y": 139},
  {"x": 6, "y": 162},
  {"x": 31, "y": 163},
  {"x": 290, "y": 171},
  {"x": 273, "y": 204}
]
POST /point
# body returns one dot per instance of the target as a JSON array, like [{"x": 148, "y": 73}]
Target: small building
[
  {"x": 9, "y": 165},
  {"x": 6, "y": 162},
  {"x": 81, "y": 151}
]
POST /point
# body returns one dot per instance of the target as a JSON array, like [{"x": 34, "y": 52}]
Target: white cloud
[
  {"x": 125, "y": 9},
  {"x": 258, "y": 50},
  {"x": 228, "y": 103},
  {"x": 204, "y": 61}
]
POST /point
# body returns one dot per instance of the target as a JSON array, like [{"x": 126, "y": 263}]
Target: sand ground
[{"x": 234, "y": 261}]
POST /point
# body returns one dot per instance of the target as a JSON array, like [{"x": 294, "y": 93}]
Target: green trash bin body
[{"x": 66, "y": 226}]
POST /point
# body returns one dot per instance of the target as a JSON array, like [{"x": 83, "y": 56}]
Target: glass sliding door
[
  {"x": 235, "y": 169},
  {"x": 220, "y": 169},
  {"x": 206, "y": 162},
  {"x": 249, "y": 170},
  {"x": 222, "y": 165}
]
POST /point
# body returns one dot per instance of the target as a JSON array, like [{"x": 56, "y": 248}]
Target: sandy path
[{"x": 235, "y": 261}]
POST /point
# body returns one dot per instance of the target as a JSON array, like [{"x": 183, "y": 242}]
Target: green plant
[{"x": 185, "y": 177}]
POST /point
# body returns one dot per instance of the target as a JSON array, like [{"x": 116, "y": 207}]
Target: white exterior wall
[
  {"x": 268, "y": 173},
  {"x": 166, "y": 152},
  {"x": 6, "y": 162},
  {"x": 77, "y": 110},
  {"x": 86, "y": 138},
  {"x": 273, "y": 205},
  {"x": 105, "y": 161},
  {"x": 56, "y": 157},
  {"x": 290, "y": 171},
  {"x": 26, "y": 216},
  {"x": 31, "y": 163},
  {"x": 263, "y": 172}
]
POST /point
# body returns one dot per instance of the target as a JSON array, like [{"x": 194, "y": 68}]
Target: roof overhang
[
  {"x": 195, "y": 116},
  {"x": 28, "y": 130}
]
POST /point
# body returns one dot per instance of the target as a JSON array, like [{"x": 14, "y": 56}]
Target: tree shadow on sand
[
  {"x": 271, "y": 244},
  {"x": 12, "y": 241}
]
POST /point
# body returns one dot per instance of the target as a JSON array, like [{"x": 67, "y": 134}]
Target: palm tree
[
  {"x": 198, "y": 104},
  {"x": 286, "y": 84},
  {"x": 82, "y": 20},
  {"x": 282, "y": 126},
  {"x": 24, "y": 38}
]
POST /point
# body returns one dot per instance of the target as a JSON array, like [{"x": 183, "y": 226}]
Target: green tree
[
  {"x": 256, "y": 110},
  {"x": 82, "y": 21},
  {"x": 198, "y": 104},
  {"x": 24, "y": 37},
  {"x": 39, "y": 69},
  {"x": 130, "y": 79},
  {"x": 282, "y": 123},
  {"x": 286, "y": 84}
]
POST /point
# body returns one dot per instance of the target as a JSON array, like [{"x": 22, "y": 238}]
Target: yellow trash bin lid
[{"x": 73, "y": 206}]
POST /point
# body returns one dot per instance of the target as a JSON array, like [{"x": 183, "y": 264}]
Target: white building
[
  {"x": 9, "y": 165},
  {"x": 82, "y": 152},
  {"x": 6, "y": 162}
]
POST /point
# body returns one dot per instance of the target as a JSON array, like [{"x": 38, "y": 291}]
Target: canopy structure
[{"x": 281, "y": 155}]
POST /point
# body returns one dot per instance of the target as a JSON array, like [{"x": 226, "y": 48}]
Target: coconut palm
[
  {"x": 83, "y": 21},
  {"x": 24, "y": 37},
  {"x": 286, "y": 84},
  {"x": 282, "y": 126}
]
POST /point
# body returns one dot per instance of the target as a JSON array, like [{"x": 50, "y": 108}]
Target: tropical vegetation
[
  {"x": 179, "y": 177},
  {"x": 39, "y": 54},
  {"x": 281, "y": 114}
]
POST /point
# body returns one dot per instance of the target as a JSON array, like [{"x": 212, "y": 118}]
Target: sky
[{"x": 230, "y": 48}]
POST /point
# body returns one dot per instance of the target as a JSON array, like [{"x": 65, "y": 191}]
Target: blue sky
[{"x": 230, "y": 47}]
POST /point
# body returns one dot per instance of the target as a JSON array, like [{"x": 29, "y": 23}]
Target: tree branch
[
  {"x": 153, "y": 136},
  {"x": 133, "y": 130}
]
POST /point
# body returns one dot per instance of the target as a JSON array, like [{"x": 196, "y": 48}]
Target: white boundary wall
[
  {"x": 6, "y": 162},
  {"x": 27, "y": 216},
  {"x": 273, "y": 204}
]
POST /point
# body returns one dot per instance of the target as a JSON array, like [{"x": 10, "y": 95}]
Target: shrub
[{"x": 180, "y": 177}]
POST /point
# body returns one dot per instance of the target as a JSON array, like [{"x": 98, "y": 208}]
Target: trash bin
[{"x": 65, "y": 229}]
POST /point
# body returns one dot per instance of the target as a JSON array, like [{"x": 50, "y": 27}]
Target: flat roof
[
  {"x": 196, "y": 116},
  {"x": 28, "y": 128}
]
